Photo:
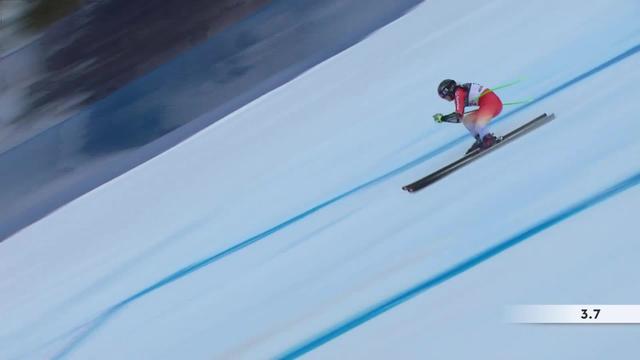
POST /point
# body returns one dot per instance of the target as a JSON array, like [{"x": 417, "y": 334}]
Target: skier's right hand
[{"x": 438, "y": 118}]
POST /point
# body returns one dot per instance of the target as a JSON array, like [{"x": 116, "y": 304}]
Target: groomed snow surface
[{"x": 282, "y": 229}]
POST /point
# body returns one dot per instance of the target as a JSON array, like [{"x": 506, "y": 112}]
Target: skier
[{"x": 471, "y": 94}]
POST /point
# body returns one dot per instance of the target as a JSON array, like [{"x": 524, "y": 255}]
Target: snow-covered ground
[{"x": 282, "y": 229}]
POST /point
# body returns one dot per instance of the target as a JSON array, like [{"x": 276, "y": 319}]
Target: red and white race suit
[{"x": 489, "y": 106}]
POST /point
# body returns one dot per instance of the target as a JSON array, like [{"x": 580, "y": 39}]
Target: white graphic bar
[{"x": 574, "y": 314}]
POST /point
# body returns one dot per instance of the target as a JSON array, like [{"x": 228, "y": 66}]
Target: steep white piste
[{"x": 289, "y": 177}]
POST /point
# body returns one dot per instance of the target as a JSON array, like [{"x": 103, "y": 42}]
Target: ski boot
[
  {"x": 488, "y": 141},
  {"x": 476, "y": 145}
]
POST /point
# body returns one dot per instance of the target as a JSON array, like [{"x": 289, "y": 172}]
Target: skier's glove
[{"x": 438, "y": 118}]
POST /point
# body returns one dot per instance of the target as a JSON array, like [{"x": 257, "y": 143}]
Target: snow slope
[
  {"x": 48, "y": 158},
  {"x": 283, "y": 228}
]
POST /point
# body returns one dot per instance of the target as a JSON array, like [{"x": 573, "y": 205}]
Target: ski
[{"x": 468, "y": 158}]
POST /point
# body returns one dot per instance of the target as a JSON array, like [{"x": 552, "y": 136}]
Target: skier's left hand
[{"x": 438, "y": 117}]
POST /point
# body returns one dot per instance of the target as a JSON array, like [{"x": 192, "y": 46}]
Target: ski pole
[
  {"x": 501, "y": 86},
  {"x": 503, "y": 104},
  {"x": 517, "y": 102}
]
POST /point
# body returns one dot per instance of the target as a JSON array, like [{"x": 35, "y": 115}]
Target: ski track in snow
[
  {"x": 311, "y": 284},
  {"x": 525, "y": 234}
]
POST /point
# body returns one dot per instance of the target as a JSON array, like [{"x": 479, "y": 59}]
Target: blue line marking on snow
[
  {"x": 575, "y": 80},
  {"x": 462, "y": 267},
  {"x": 113, "y": 310}
]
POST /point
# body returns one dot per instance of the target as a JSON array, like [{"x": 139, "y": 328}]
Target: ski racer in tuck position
[{"x": 471, "y": 94}]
